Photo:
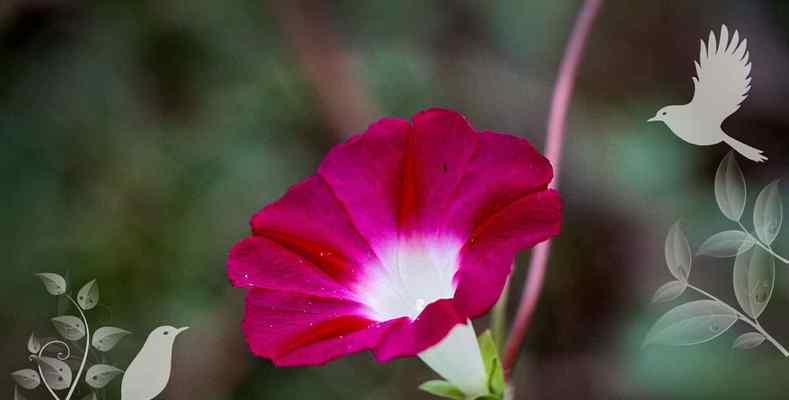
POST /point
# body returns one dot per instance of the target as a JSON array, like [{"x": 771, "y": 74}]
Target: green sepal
[
  {"x": 490, "y": 357},
  {"x": 443, "y": 389}
]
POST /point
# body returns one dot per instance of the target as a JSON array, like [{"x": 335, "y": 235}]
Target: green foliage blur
[{"x": 137, "y": 138}]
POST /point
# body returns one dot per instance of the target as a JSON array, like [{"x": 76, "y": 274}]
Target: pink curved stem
[{"x": 560, "y": 102}]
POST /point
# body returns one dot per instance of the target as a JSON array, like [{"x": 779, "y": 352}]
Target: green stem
[
  {"x": 754, "y": 323},
  {"x": 766, "y": 248}
]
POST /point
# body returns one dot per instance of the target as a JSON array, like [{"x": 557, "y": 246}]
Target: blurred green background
[{"x": 138, "y": 137}]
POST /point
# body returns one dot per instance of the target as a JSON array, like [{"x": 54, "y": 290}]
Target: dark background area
[{"x": 138, "y": 137}]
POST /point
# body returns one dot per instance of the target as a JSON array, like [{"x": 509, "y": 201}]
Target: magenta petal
[
  {"x": 257, "y": 262},
  {"x": 409, "y": 338},
  {"x": 309, "y": 221},
  {"x": 504, "y": 168},
  {"x": 437, "y": 153},
  {"x": 486, "y": 259},
  {"x": 293, "y": 329},
  {"x": 365, "y": 175}
]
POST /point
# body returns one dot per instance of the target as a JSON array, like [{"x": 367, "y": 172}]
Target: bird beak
[
  {"x": 177, "y": 331},
  {"x": 653, "y": 119}
]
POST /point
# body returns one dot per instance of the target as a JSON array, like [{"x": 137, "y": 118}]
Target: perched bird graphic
[
  {"x": 721, "y": 84},
  {"x": 148, "y": 373}
]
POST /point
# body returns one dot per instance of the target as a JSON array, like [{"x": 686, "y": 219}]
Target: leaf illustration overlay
[
  {"x": 69, "y": 326},
  {"x": 56, "y": 372},
  {"x": 33, "y": 343},
  {"x": 768, "y": 213},
  {"x": 678, "y": 255},
  {"x": 726, "y": 244},
  {"x": 26, "y": 378},
  {"x": 692, "y": 323},
  {"x": 88, "y": 296},
  {"x": 54, "y": 283},
  {"x": 100, "y": 375},
  {"x": 754, "y": 279},
  {"x": 106, "y": 337},
  {"x": 730, "y": 189},
  {"x": 748, "y": 341},
  {"x": 669, "y": 291}
]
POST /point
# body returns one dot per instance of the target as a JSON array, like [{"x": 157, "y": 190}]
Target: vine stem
[
  {"x": 754, "y": 323},
  {"x": 85, "y": 353},
  {"x": 560, "y": 103},
  {"x": 59, "y": 356},
  {"x": 766, "y": 248}
]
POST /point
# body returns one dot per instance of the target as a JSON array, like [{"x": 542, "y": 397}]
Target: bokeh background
[{"x": 137, "y": 138}]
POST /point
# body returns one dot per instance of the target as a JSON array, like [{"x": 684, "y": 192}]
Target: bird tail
[{"x": 748, "y": 152}]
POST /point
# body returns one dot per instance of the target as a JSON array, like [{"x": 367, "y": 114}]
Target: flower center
[{"x": 414, "y": 274}]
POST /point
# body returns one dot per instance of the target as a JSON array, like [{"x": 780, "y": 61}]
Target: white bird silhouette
[
  {"x": 149, "y": 372},
  {"x": 721, "y": 84}
]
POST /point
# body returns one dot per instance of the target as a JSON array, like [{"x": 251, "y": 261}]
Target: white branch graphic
[{"x": 754, "y": 269}]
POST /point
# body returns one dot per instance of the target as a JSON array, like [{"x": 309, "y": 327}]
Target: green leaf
[
  {"x": 69, "y": 326},
  {"x": 754, "y": 280},
  {"x": 678, "y": 256},
  {"x": 726, "y": 244},
  {"x": 490, "y": 358},
  {"x": 442, "y": 389},
  {"x": 691, "y": 323},
  {"x": 54, "y": 283},
  {"x": 768, "y": 213},
  {"x": 730, "y": 189},
  {"x": 88, "y": 296},
  {"x": 488, "y": 397}
]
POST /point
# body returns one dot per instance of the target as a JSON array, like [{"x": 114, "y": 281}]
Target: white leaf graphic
[
  {"x": 768, "y": 213},
  {"x": 88, "y": 296},
  {"x": 26, "y": 378},
  {"x": 678, "y": 256},
  {"x": 747, "y": 341},
  {"x": 33, "y": 344},
  {"x": 754, "y": 279},
  {"x": 17, "y": 394},
  {"x": 54, "y": 283},
  {"x": 69, "y": 326},
  {"x": 56, "y": 372},
  {"x": 730, "y": 189},
  {"x": 691, "y": 323},
  {"x": 726, "y": 244},
  {"x": 100, "y": 375},
  {"x": 106, "y": 337},
  {"x": 669, "y": 291}
]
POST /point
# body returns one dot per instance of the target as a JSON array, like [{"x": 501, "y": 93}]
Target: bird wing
[{"x": 722, "y": 78}]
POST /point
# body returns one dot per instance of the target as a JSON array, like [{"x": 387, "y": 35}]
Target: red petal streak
[
  {"x": 408, "y": 187},
  {"x": 329, "y": 260},
  {"x": 325, "y": 330}
]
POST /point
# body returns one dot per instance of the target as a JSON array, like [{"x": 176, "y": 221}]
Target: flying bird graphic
[{"x": 720, "y": 86}]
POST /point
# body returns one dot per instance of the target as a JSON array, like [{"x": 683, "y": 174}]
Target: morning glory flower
[{"x": 405, "y": 233}]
